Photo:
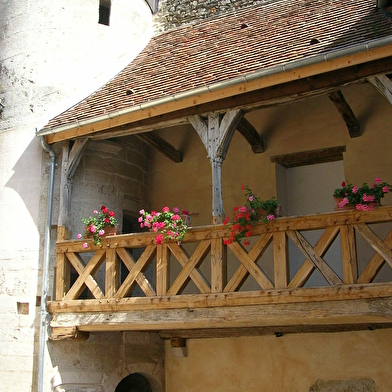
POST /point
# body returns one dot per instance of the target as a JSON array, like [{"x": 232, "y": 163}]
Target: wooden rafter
[
  {"x": 249, "y": 132},
  {"x": 162, "y": 146},
  {"x": 345, "y": 111}
]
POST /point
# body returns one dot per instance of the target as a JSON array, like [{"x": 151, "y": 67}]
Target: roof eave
[{"x": 298, "y": 69}]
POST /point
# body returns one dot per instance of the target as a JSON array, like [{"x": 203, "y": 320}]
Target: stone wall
[
  {"x": 173, "y": 13},
  {"x": 52, "y": 54}
]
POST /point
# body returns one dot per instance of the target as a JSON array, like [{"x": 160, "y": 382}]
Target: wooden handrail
[{"x": 207, "y": 246}]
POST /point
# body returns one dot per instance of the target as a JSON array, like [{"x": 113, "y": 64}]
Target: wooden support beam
[
  {"x": 383, "y": 85},
  {"x": 249, "y": 132},
  {"x": 161, "y": 145},
  {"x": 310, "y": 157},
  {"x": 333, "y": 312},
  {"x": 68, "y": 333},
  {"x": 216, "y": 136},
  {"x": 345, "y": 111}
]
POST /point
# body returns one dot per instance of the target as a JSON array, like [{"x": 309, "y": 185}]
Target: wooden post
[
  {"x": 112, "y": 273},
  {"x": 281, "y": 260},
  {"x": 349, "y": 254},
  {"x": 218, "y": 265},
  {"x": 216, "y": 136},
  {"x": 163, "y": 269},
  {"x": 62, "y": 276}
]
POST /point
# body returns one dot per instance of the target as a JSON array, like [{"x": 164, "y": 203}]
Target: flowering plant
[
  {"x": 248, "y": 215},
  {"x": 95, "y": 225},
  {"x": 168, "y": 224},
  {"x": 364, "y": 197}
]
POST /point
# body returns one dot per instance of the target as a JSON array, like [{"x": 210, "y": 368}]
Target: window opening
[{"x": 104, "y": 12}]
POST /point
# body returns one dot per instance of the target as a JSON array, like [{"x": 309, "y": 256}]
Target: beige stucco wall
[{"x": 293, "y": 362}]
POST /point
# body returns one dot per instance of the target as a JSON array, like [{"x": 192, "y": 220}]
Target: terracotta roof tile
[{"x": 231, "y": 45}]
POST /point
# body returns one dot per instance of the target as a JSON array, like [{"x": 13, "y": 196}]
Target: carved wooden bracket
[
  {"x": 216, "y": 135},
  {"x": 344, "y": 109},
  {"x": 383, "y": 84}
]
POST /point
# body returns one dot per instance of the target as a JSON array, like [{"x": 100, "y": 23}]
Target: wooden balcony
[{"x": 204, "y": 288}]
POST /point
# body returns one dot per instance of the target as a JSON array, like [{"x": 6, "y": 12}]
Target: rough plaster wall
[
  {"x": 173, "y": 13},
  {"x": 289, "y": 363},
  {"x": 51, "y": 55}
]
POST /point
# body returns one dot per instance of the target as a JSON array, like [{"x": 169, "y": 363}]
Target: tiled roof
[{"x": 231, "y": 45}]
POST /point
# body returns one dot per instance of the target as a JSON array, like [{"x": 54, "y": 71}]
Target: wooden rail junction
[{"x": 204, "y": 288}]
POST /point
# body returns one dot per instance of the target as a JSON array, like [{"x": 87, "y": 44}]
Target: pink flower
[
  {"x": 176, "y": 210},
  {"x": 159, "y": 239},
  {"x": 343, "y": 202},
  {"x": 165, "y": 209},
  {"x": 270, "y": 217},
  {"x": 95, "y": 212},
  {"x": 251, "y": 198},
  {"x": 377, "y": 180},
  {"x": 101, "y": 232},
  {"x": 355, "y": 189},
  {"x": 79, "y": 235},
  {"x": 149, "y": 218},
  {"x": 243, "y": 209},
  {"x": 140, "y": 219},
  {"x": 147, "y": 224},
  {"x": 385, "y": 189},
  {"x": 141, "y": 225},
  {"x": 92, "y": 229},
  {"x": 368, "y": 198},
  {"x": 141, "y": 212},
  {"x": 175, "y": 217},
  {"x": 85, "y": 245}
]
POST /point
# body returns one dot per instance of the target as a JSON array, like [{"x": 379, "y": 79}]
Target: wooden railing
[{"x": 206, "y": 248}]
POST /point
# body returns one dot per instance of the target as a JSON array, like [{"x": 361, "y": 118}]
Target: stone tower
[{"x": 52, "y": 54}]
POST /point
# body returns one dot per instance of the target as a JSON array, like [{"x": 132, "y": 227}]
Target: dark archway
[{"x": 134, "y": 382}]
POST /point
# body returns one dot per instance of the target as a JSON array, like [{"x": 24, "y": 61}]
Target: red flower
[
  {"x": 111, "y": 213},
  {"x": 107, "y": 221},
  {"x": 343, "y": 184},
  {"x": 104, "y": 209}
]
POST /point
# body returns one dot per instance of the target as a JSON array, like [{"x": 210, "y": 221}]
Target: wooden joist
[
  {"x": 336, "y": 312},
  {"x": 161, "y": 145},
  {"x": 347, "y": 114}
]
